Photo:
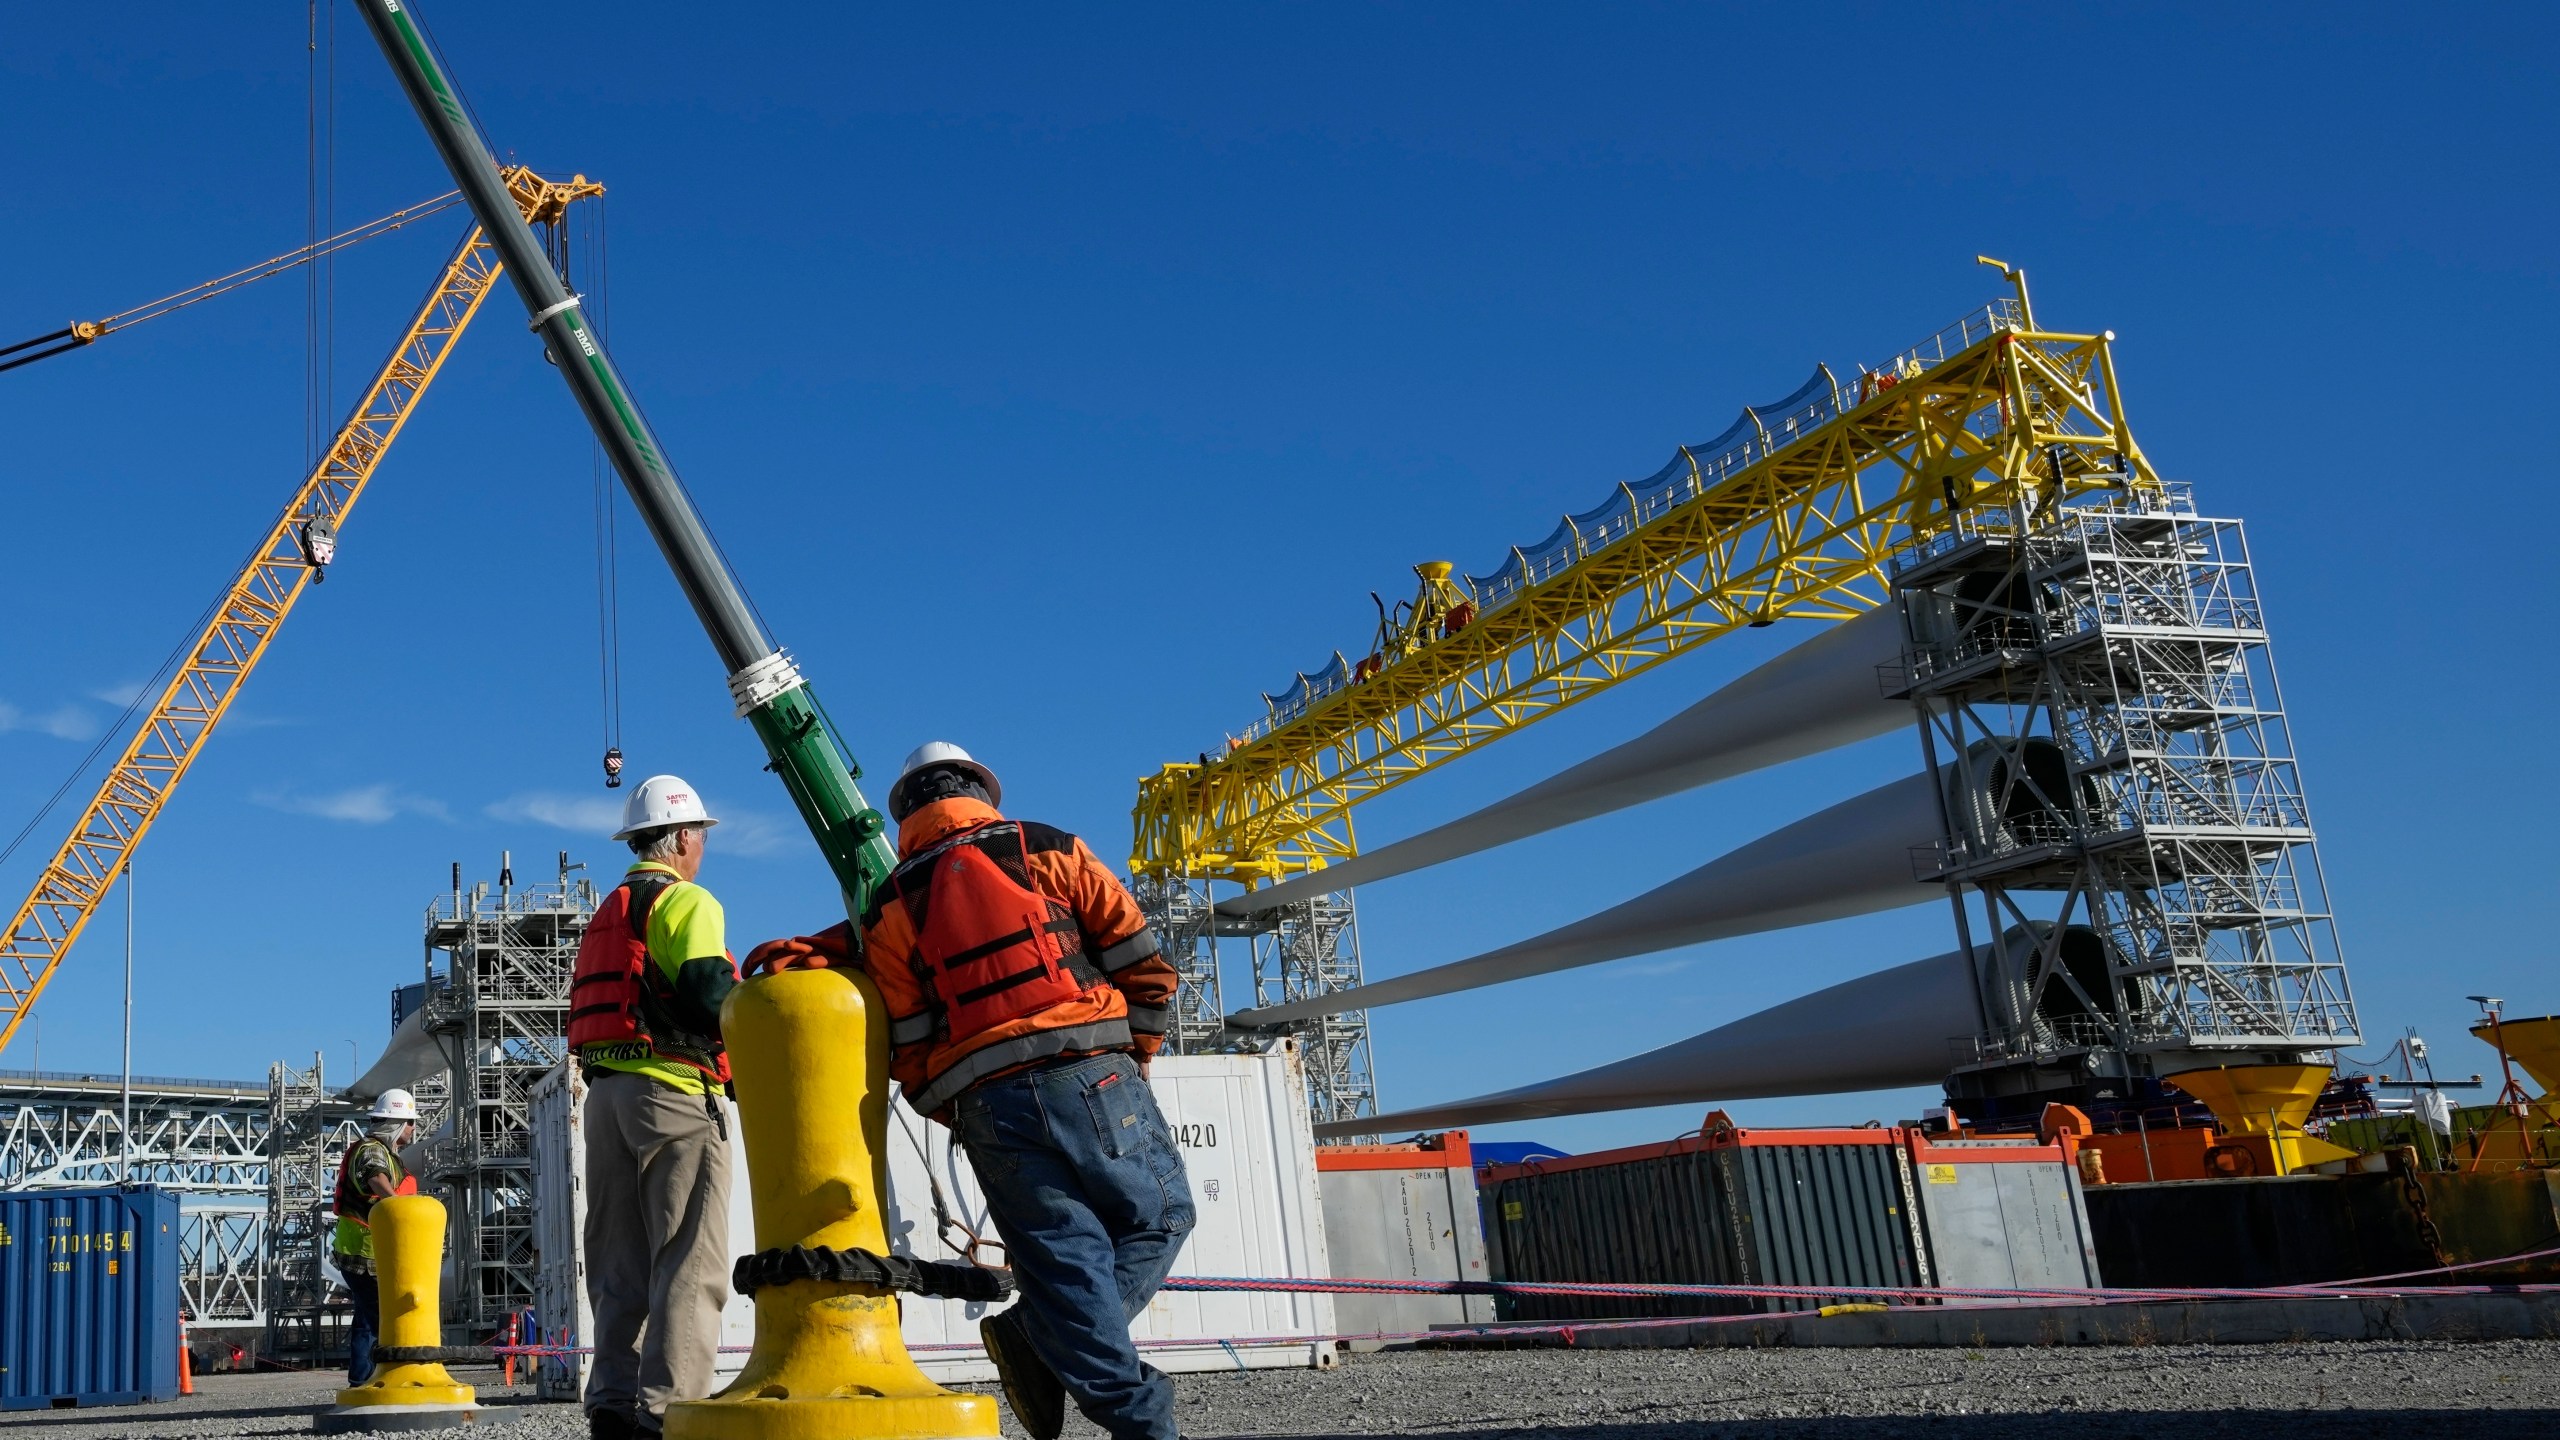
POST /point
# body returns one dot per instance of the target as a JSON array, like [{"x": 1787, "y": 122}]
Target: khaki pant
[{"x": 657, "y": 1243}]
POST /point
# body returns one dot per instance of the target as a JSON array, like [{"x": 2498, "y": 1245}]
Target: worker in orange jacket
[{"x": 1026, "y": 1000}]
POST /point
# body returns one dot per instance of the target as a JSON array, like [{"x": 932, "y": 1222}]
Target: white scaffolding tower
[
  {"x": 499, "y": 961},
  {"x": 2102, "y": 675},
  {"x": 1293, "y": 952},
  {"x": 308, "y": 1129}
]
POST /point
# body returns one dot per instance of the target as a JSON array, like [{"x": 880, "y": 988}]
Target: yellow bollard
[
  {"x": 408, "y": 1257},
  {"x": 810, "y": 1049}
]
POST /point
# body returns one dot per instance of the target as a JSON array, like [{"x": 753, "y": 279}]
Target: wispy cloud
[
  {"x": 754, "y": 834},
  {"x": 118, "y": 695},
  {"x": 361, "y": 804},
  {"x": 595, "y": 815},
  {"x": 746, "y": 833},
  {"x": 63, "y": 722}
]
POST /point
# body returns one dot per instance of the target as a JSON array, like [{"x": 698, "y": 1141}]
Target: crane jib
[{"x": 768, "y": 689}]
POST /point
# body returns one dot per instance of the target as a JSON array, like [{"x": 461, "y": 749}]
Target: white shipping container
[
  {"x": 560, "y": 1220},
  {"x": 1241, "y": 1121}
]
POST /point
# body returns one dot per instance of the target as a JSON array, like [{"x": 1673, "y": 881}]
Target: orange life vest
[
  {"x": 619, "y": 996},
  {"x": 989, "y": 947},
  {"x": 353, "y": 1204}
]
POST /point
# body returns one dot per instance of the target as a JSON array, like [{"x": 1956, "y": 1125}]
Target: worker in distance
[
  {"x": 644, "y": 1020},
  {"x": 370, "y": 1170},
  {"x": 1026, "y": 1002}
]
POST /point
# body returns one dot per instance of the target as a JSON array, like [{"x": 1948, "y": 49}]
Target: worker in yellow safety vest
[
  {"x": 644, "y": 1019},
  {"x": 371, "y": 1170}
]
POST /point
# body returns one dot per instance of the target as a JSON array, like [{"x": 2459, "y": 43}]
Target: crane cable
[
  {"x": 319, "y": 337},
  {"x": 590, "y": 246},
  {"x": 320, "y": 206},
  {"x": 83, "y": 332}
]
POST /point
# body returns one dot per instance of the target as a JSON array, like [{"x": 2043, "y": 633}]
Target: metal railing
[
  {"x": 1575, "y": 541},
  {"x": 44, "y": 1079}
]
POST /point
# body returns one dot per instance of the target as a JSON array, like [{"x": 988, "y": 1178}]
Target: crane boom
[
  {"x": 246, "y": 619},
  {"x": 766, "y": 686}
]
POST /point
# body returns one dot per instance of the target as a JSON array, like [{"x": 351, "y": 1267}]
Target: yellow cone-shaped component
[
  {"x": 810, "y": 1052},
  {"x": 2270, "y": 1101},
  {"x": 2535, "y": 1047},
  {"x": 408, "y": 1261}
]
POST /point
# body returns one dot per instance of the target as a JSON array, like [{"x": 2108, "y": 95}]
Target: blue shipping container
[{"x": 88, "y": 1297}]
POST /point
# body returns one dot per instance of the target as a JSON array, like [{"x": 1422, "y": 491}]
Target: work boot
[
  {"x": 613, "y": 1425},
  {"x": 1030, "y": 1386}
]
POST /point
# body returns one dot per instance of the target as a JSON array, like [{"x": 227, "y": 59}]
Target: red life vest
[
  {"x": 352, "y": 1203},
  {"x": 989, "y": 948},
  {"x": 619, "y": 997}
]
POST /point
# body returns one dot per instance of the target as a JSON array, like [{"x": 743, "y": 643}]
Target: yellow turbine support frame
[
  {"x": 245, "y": 620},
  {"x": 2268, "y": 1103},
  {"x": 1954, "y": 427}
]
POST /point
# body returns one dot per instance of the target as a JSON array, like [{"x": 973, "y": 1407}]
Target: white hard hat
[
  {"x": 660, "y": 801},
  {"x": 942, "y": 752},
  {"x": 395, "y": 1105}
]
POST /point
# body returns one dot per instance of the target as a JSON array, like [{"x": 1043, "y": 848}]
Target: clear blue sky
[{"x": 1061, "y": 379}]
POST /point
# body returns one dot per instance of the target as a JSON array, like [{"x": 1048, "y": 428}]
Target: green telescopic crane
[{"x": 768, "y": 688}]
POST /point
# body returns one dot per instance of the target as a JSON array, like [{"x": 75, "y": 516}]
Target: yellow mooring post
[
  {"x": 408, "y": 1258},
  {"x": 809, "y": 1049}
]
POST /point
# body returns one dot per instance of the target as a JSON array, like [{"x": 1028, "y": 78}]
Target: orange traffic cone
[{"x": 186, "y": 1363}]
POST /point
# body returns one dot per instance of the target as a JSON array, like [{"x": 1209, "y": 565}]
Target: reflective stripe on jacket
[
  {"x": 353, "y": 1234},
  {"x": 622, "y": 1003},
  {"x": 1122, "y": 1007}
]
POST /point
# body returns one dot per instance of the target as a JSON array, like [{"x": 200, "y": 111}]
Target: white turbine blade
[
  {"x": 1852, "y": 859},
  {"x": 1818, "y": 695},
  {"x": 1880, "y": 1031}
]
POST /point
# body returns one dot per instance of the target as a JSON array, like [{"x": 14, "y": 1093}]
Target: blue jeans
[
  {"x": 364, "y": 1295},
  {"x": 1090, "y": 1196}
]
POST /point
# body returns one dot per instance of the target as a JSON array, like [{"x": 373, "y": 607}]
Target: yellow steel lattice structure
[
  {"x": 173, "y": 732},
  {"x": 1988, "y": 412}
]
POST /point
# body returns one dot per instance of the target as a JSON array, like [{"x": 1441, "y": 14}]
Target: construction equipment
[
  {"x": 234, "y": 637},
  {"x": 88, "y": 332},
  {"x": 1794, "y": 511},
  {"x": 828, "y": 1356},
  {"x": 1791, "y": 512},
  {"x": 766, "y": 686}
]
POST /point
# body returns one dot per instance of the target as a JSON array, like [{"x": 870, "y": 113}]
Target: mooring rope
[{"x": 2098, "y": 1297}]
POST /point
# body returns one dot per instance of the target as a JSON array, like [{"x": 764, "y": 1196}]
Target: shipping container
[
  {"x": 88, "y": 1297},
  {"x": 1729, "y": 1206},
  {"x": 1875, "y": 1207},
  {"x": 561, "y": 1316},
  {"x": 2003, "y": 1214},
  {"x": 1403, "y": 1212},
  {"x": 1240, "y": 1120}
]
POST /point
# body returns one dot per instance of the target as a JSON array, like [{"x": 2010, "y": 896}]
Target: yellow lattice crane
[
  {"x": 298, "y": 545},
  {"x": 1794, "y": 515}
]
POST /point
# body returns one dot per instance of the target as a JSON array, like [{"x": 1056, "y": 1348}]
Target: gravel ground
[{"x": 2401, "y": 1390}]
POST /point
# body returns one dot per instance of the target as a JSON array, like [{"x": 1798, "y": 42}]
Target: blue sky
[{"x": 1060, "y": 380}]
